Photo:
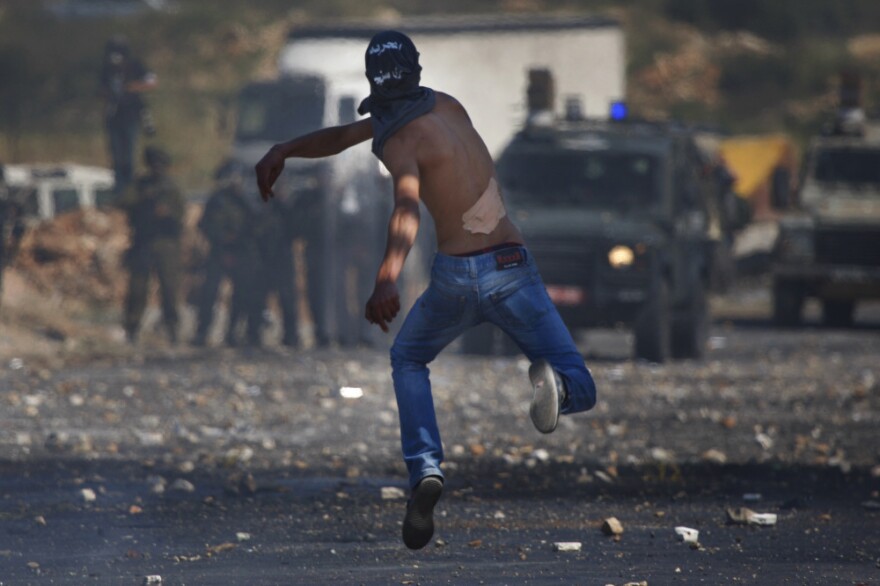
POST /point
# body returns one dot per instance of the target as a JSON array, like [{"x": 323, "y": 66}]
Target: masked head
[
  {"x": 117, "y": 50},
  {"x": 392, "y": 66}
]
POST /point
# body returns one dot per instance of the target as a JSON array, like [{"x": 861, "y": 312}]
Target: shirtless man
[{"x": 481, "y": 272}]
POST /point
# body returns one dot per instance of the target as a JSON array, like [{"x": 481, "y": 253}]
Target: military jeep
[
  {"x": 616, "y": 216},
  {"x": 829, "y": 238}
]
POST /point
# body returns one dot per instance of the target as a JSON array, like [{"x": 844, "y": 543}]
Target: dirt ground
[{"x": 219, "y": 466}]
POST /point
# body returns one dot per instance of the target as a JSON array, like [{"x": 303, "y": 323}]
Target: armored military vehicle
[
  {"x": 616, "y": 215},
  {"x": 829, "y": 240}
]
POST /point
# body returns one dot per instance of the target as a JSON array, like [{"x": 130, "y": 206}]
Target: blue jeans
[{"x": 465, "y": 292}]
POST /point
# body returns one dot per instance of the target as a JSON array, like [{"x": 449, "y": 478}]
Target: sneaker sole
[
  {"x": 545, "y": 404},
  {"x": 418, "y": 525}
]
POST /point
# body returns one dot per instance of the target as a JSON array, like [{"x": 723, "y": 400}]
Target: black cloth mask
[{"x": 396, "y": 98}]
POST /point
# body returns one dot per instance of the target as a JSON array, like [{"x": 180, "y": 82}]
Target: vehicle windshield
[
  {"x": 858, "y": 166},
  {"x": 276, "y": 113},
  {"x": 579, "y": 179}
]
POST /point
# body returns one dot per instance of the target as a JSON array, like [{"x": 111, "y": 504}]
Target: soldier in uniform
[
  {"x": 124, "y": 79},
  {"x": 155, "y": 209},
  {"x": 11, "y": 225},
  {"x": 229, "y": 224}
]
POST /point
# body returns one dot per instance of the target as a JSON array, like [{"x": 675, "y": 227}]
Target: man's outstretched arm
[{"x": 321, "y": 143}]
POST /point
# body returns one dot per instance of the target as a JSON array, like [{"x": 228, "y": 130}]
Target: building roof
[{"x": 470, "y": 23}]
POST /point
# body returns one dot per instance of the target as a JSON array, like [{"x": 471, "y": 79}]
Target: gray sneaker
[{"x": 549, "y": 395}]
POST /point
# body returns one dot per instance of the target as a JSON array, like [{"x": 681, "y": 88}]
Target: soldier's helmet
[{"x": 117, "y": 49}]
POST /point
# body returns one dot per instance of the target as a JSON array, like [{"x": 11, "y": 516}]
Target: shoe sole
[
  {"x": 545, "y": 404},
  {"x": 418, "y": 525}
]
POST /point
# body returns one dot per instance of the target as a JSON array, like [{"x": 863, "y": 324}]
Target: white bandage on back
[{"x": 484, "y": 216}]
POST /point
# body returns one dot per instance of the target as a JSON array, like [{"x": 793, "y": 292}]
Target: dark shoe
[
  {"x": 418, "y": 525},
  {"x": 549, "y": 395}
]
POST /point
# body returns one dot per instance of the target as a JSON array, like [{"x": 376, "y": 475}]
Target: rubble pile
[{"x": 78, "y": 255}]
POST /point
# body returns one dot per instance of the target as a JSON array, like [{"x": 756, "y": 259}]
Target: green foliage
[
  {"x": 49, "y": 107},
  {"x": 780, "y": 20}
]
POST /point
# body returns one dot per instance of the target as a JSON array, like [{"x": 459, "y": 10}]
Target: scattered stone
[
  {"x": 351, "y": 392},
  {"x": 150, "y": 439},
  {"x": 611, "y": 526},
  {"x": 33, "y": 565},
  {"x": 157, "y": 484},
  {"x": 475, "y": 543},
  {"x": 764, "y": 440},
  {"x": 88, "y": 495},
  {"x": 687, "y": 535},
  {"x": 242, "y": 536},
  {"x": 499, "y": 515},
  {"x": 871, "y": 505},
  {"x": 642, "y": 583},
  {"x": 135, "y": 510},
  {"x": 715, "y": 456},
  {"x": 213, "y": 550},
  {"x": 241, "y": 482},
  {"x": 240, "y": 455},
  {"x": 541, "y": 455},
  {"x": 604, "y": 477},
  {"x": 567, "y": 546},
  {"x": 183, "y": 485},
  {"x": 154, "y": 579},
  {"x": 752, "y": 497},
  {"x": 390, "y": 493},
  {"x": 744, "y": 516},
  {"x": 40, "y": 520}
]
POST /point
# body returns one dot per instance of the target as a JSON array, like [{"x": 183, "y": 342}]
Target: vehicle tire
[
  {"x": 653, "y": 327},
  {"x": 837, "y": 314},
  {"x": 788, "y": 303},
  {"x": 690, "y": 330}
]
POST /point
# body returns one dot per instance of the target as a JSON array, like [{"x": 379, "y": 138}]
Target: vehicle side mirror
[{"x": 780, "y": 189}]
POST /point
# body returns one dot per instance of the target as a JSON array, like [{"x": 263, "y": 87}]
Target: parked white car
[{"x": 49, "y": 189}]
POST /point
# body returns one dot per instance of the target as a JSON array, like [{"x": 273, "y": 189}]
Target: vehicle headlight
[
  {"x": 621, "y": 257},
  {"x": 796, "y": 245}
]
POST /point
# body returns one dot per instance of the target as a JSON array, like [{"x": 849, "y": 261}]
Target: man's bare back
[{"x": 455, "y": 171}]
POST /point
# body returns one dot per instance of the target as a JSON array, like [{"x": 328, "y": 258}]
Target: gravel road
[{"x": 215, "y": 466}]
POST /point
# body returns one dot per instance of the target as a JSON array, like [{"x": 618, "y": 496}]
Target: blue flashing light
[{"x": 619, "y": 111}]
